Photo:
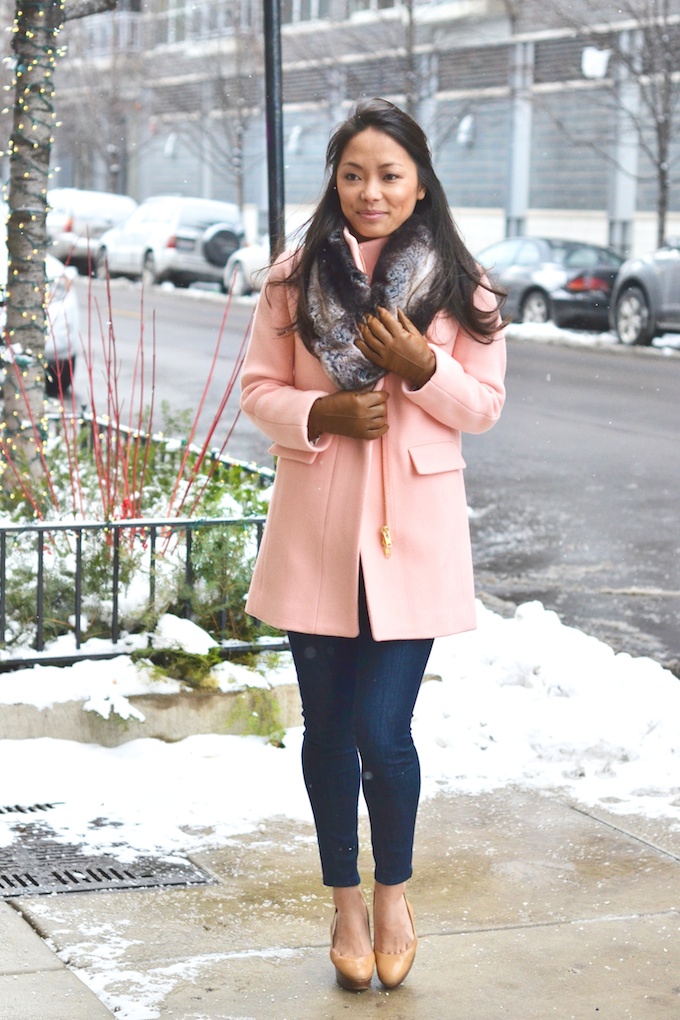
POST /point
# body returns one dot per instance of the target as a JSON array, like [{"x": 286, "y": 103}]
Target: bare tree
[
  {"x": 37, "y": 24},
  {"x": 653, "y": 60},
  {"x": 216, "y": 116},
  {"x": 97, "y": 110},
  {"x": 642, "y": 41}
]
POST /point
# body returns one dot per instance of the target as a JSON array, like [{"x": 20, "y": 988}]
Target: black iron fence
[
  {"x": 152, "y": 536},
  {"x": 29, "y": 552}
]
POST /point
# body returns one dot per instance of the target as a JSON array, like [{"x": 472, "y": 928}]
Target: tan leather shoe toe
[
  {"x": 392, "y": 968},
  {"x": 354, "y": 973}
]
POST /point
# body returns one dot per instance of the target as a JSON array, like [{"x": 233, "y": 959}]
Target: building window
[
  {"x": 176, "y": 21},
  {"x": 293, "y": 11},
  {"x": 371, "y": 5}
]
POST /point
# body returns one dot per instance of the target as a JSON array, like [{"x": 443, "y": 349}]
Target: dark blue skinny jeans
[{"x": 358, "y": 697}]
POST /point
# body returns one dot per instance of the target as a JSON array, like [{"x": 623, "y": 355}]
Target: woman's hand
[
  {"x": 396, "y": 345},
  {"x": 360, "y": 415}
]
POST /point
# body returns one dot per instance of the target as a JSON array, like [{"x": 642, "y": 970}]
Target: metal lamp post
[{"x": 274, "y": 121}]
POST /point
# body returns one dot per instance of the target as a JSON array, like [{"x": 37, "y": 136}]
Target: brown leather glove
[
  {"x": 396, "y": 345},
  {"x": 360, "y": 414}
]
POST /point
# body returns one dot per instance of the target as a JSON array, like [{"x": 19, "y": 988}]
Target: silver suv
[{"x": 174, "y": 238}]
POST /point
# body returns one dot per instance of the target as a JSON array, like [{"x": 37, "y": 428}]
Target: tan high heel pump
[
  {"x": 392, "y": 968},
  {"x": 354, "y": 973}
]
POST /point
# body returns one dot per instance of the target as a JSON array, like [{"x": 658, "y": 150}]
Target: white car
[
  {"x": 245, "y": 270},
  {"x": 62, "y": 340},
  {"x": 76, "y": 220},
  {"x": 173, "y": 238}
]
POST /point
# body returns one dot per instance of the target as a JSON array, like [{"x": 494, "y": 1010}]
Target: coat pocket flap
[
  {"x": 303, "y": 456},
  {"x": 431, "y": 458}
]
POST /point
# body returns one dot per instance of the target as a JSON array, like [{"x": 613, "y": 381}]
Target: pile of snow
[
  {"x": 523, "y": 701},
  {"x": 548, "y": 332}
]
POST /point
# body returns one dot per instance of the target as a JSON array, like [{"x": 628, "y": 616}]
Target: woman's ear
[{"x": 422, "y": 192}]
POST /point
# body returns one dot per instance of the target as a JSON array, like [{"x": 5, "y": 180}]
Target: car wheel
[
  {"x": 237, "y": 284},
  {"x": 59, "y": 376},
  {"x": 149, "y": 270},
  {"x": 633, "y": 317},
  {"x": 535, "y": 307},
  {"x": 219, "y": 242}
]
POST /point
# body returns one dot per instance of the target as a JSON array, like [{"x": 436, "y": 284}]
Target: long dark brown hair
[{"x": 457, "y": 274}]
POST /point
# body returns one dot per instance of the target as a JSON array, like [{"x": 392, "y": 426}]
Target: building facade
[{"x": 540, "y": 120}]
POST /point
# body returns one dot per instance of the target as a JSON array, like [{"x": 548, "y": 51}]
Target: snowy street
[
  {"x": 550, "y": 838},
  {"x": 548, "y": 845}
]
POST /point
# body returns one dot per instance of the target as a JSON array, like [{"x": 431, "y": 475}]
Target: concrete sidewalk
[{"x": 526, "y": 907}]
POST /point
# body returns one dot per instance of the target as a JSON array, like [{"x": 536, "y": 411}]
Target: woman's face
[{"x": 377, "y": 184}]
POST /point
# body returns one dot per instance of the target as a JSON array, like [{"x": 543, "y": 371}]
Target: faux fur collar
[{"x": 339, "y": 295}]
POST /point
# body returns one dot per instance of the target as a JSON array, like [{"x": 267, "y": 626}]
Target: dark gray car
[
  {"x": 545, "y": 278},
  {"x": 646, "y": 298}
]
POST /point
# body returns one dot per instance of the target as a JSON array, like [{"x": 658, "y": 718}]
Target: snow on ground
[
  {"x": 548, "y": 332},
  {"x": 524, "y": 700},
  {"x": 520, "y": 701}
]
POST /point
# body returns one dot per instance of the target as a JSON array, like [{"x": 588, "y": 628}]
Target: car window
[
  {"x": 145, "y": 214},
  {"x": 138, "y": 216},
  {"x": 609, "y": 258},
  {"x": 580, "y": 258},
  {"x": 587, "y": 256},
  {"x": 499, "y": 256},
  {"x": 160, "y": 212},
  {"x": 529, "y": 254}
]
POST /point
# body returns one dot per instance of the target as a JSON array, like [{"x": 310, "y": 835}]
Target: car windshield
[{"x": 155, "y": 211}]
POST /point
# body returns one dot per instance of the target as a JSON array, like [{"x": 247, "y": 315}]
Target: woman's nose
[{"x": 371, "y": 189}]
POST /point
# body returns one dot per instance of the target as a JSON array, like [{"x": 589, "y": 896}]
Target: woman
[{"x": 375, "y": 344}]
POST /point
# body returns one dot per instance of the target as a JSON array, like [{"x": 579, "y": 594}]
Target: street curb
[{"x": 168, "y": 717}]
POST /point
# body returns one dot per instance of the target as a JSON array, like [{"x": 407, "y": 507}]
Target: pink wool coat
[{"x": 331, "y": 499}]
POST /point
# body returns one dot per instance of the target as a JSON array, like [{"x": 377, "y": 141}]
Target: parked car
[
  {"x": 61, "y": 340},
  {"x": 546, "y": 278},
  {"x": 246, "y": 268},
  {"x": 174, "y": 238},
  {"x": 646, "y": 297},
  {"x": 76, "y": 220}
]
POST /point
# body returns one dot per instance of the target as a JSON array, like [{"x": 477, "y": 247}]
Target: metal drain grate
[
  {"x": 23, "y": 809},
  {"x": 36, "y": 864}
]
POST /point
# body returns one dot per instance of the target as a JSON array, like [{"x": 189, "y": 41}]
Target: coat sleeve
[
  {"x": 467, "y": 391},
  {"x": 269, "y": 396}
]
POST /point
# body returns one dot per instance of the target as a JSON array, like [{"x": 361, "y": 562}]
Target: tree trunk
[
  {"x": 36, "y": 26},
  {"x": 34, "y": 44},
  {"x": 411, "y": 83},
  {"x": 662, "y": 198}
]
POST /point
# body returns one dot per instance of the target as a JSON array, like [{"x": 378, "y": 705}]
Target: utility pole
[
  {"x": 274, "y": 120},
  {"x": 521, "y": 79}
]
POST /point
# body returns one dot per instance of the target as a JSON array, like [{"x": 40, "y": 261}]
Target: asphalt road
[
  {"x": 191, "y": 341},
  {"x": 574, "y": 494}
]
